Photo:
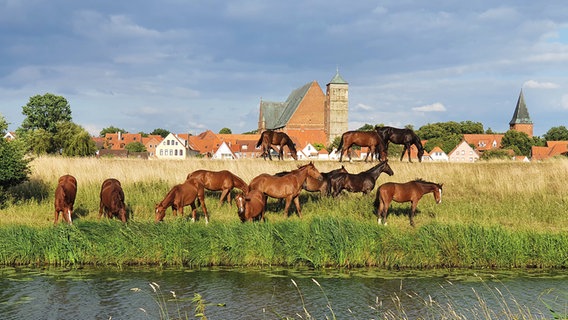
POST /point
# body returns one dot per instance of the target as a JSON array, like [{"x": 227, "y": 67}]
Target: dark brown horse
[
  {"x": 403, "y": 192},
  {"x": 182, "y": 195},
  {"x": 270, "y": 138},
  {"x": 112, "y": 200},
  {"x": 65, "y": 198},
  {"x": 404, "y": 136},
  {"x": 361, "y": 182},
  {"x": 251, "y": 206},
  {"x": 369, "y": 139},
  {"x": 287, "y": 186},
  {"x": 223, "y": 181}
]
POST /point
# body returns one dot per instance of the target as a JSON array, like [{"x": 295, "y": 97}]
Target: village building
[
  {"x": 174, "y": 147},
  {"x": 521, "y": 120},
  {"x": 463, "y": 152},
  {"x": 307, "y": 110}
]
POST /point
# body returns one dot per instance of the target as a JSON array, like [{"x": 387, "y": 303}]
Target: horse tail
[
  {"x": 340, "y": 146},
  {"x": 260, "y": 140}
]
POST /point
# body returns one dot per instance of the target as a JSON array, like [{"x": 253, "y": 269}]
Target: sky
[{"x": 188, "y": 66}]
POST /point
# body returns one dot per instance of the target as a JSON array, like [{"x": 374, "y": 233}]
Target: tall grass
[{"x": 493, "y": 214}]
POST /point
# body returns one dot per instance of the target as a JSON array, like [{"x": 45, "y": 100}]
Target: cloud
[
  {"x": 361, "y": 106},
  {"x": 533, "y": 84},
  {"x": 435, "y": 107},
  {"x": 565, "y": 101}
]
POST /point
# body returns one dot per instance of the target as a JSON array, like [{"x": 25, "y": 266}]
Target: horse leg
[
  {"x": 287, "y": 206},
  {"x": 225, "y": 193},
  {"x": 407, "y": 147},
  {"x": 56, "y": 217},
  {"x": 193, "y": 211},
  {"x": 297, "y": 203},
  {"x": 413, "y": 211}
]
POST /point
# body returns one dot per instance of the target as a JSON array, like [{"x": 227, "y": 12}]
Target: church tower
[
  {"x": 336, "y": 107},
  {"x": 521, "y": 120}
]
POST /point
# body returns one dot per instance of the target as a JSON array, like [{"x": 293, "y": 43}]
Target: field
[{"x": 493, "y": 214}]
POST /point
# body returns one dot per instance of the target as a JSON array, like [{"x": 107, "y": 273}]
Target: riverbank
[
  {"x": 319, "y": 242},
  {"x": 493, "y": 215}
]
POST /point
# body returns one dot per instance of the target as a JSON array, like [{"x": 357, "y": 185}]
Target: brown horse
[
  {"x": 403, "y": 192},
  {"x": 287, "y": 186},
  {"x": 223, "y": 181},
  {"x": 251, "y": 206},
  {"x": 370, "y": 139},
  {"x": 112, "y": 200},
  {"x": 405, "y": 136},
  {"x": 361, "y": 182},
  {"x": 270, "y": 138},
  {"x": 65, "y": 197},
  {"x": 182, "y": 195}
]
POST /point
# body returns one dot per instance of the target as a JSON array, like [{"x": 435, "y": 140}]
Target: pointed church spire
[{"x": 521, "y": 114}]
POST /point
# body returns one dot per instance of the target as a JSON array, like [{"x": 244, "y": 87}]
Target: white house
[
  {"x": 437, "y": 154},
  {"x": 309, "y": 151},
  {"x": 463, "y": 152},
  {"x": 173, "y": 147},
  {"x": 224, "y": 152}
]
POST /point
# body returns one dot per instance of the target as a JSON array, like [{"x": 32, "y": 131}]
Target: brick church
[{"x": 310, "y": 113}]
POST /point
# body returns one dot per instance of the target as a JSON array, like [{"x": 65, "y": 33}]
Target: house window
[
  {"x": 171, "y": 152},
  {"x": 161, "y": 152},
  {"x": 181, "y": 152},
  {"x": 175, "y": 152}
]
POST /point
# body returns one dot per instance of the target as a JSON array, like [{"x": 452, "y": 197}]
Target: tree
[
  {"x": 159, "y": 131},
  {"x": 80, "y": 145},
  {"x": 225, "y": 131},
  {"x": 135, "y": 147},
  {"x": 111, "y": 129},
  {"x": 517, "y": 141},
  {"x": 44, "y": 112},
  {"x": 13, "y": 164},
  {"x": 556, "y": 134},
  {"x": 367, "y": 127}
]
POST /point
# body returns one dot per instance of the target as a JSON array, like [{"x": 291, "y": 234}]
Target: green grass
[
  {"x": 493, "y": 214},
  {"x": 319, "y": 242}
]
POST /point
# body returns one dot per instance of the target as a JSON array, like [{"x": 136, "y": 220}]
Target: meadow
[{"x": 493, "y": 214}]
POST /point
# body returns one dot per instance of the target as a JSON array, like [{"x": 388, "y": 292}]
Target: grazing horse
[
  {"x": 182, "y": 195},
  {"x": 222, "y": 180},
  {"x": 251, "y": 206},
  {"x": 65, "y": 198},
  {"x": 271, "y": 138},
  {"x": 112, "y": 200},
  {"x": 361, "y": 182},
  {"x": 404, "y": 136},
  {"x": 403, "y": 192},
  {"x": 370, "y": 139},
  {"x": 287, "y": 186}
]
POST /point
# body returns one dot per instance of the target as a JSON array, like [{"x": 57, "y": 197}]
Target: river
[{"x": 274, "y": 293}]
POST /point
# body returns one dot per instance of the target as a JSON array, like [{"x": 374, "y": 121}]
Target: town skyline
[{"x": 190, "y": 67}]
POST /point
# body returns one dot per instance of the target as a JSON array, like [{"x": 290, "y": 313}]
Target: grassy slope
[{"x": 496, "y": 214}]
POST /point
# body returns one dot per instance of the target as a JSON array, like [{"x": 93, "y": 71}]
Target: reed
[{"x": 493, "y": 214}]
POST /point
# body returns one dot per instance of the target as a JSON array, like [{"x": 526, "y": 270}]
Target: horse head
[
  {"x": 313, "y": 171},
  {"x": 160, "y": 212},
  {"x": 240, "y": 200},
  {"x": 438, "y": 193},
  {"x": 386, "y": 168}
]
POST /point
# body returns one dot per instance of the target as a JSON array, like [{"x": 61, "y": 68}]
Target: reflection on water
[{"x": 91, "y": 293}]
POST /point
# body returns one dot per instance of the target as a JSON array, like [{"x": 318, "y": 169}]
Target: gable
[{"x": 276, "y": 115}]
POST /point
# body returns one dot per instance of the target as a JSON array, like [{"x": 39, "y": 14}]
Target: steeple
[
  {"x": 337, "y": 79},
  {"x": 521, "y": 114},
  {"x": 521, "y": 120}
]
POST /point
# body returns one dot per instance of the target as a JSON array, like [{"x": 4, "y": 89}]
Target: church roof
[
  {"x": 521, "y": 114},
  {"x": 277, "y": 114}
]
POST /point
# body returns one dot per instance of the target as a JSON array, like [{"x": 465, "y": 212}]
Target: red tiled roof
[{"x": 482, "y": 142}]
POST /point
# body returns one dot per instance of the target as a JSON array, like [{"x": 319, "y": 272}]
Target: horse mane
[
  {"x": 420, "y": 180},
  {"x": 240, "y": 183},
  {"x": 169, "y": 198},
  {"x": 291, "y": 145}
]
